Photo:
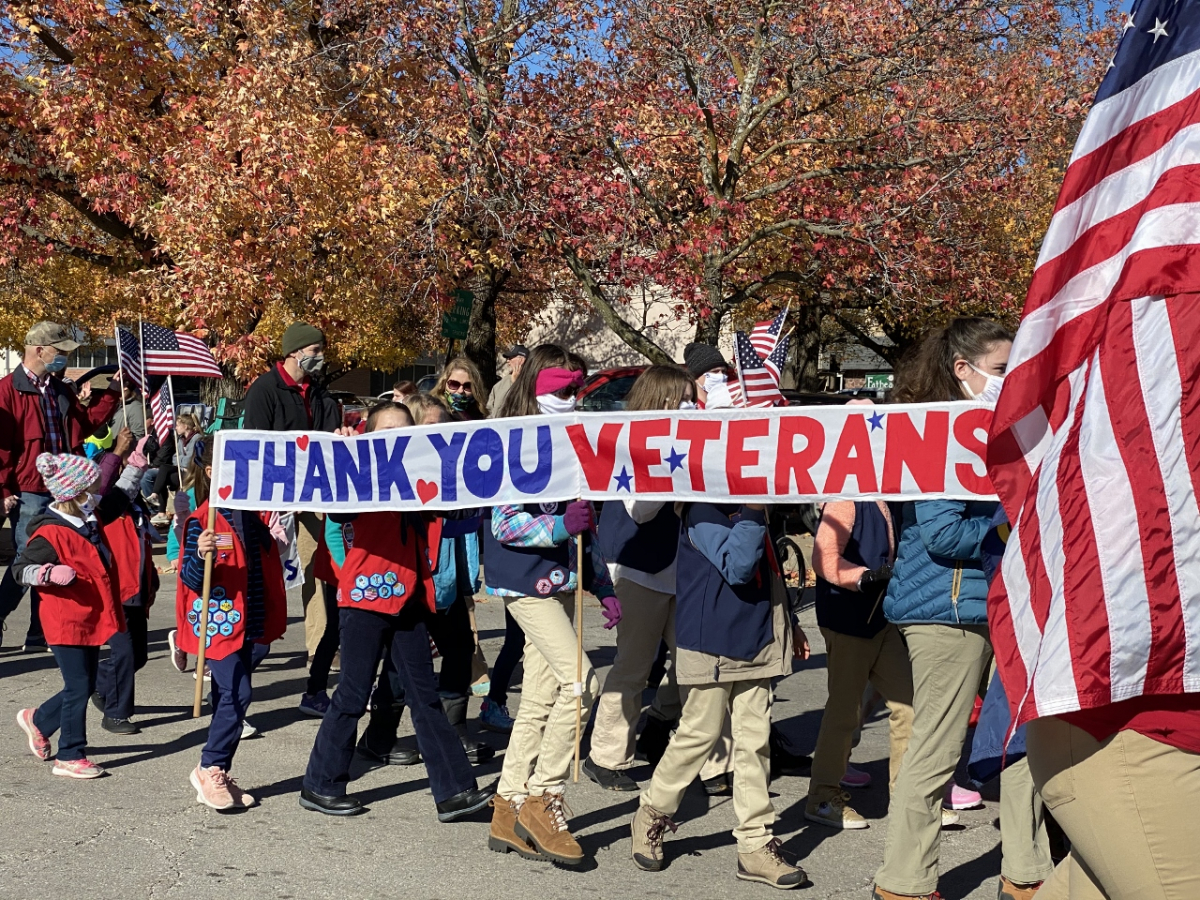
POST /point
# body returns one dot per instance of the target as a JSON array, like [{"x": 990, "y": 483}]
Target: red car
[{"x": 607, "y": 389}]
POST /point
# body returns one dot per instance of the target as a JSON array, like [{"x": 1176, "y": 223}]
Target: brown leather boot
[
  {"x": 878, "y": 893},
  {"x": 502, "y": 838},
  {"x": 543, "y": 822},
  {"x": 1011, "y": 891}
]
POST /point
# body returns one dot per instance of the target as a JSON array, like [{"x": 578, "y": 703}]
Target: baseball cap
[
  {"x": 50, "y": 334},
  {"x": 516, "y": 350}
]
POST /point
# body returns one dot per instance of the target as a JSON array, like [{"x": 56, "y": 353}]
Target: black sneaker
[
  {"x": 399, "y": 755},
  {"x": 478, "y": 752},
  {"x": 719, "y": 785},
  {"x": 119, "y": 726},
  {"x": 609, "y": 779},
  {"x": 98, "y": 701},
  {"x": 652, "y": 742},
  {"x": 784, "y": 759}
]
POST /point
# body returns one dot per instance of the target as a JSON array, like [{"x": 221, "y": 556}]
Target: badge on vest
[
  {"x": 549, "y": 509},
  {"x": 558, "y": 577},
  {"x": 222, "y": 617},
  {"x": 378, "y": 586},
  {"x": 544, "y": 587}
]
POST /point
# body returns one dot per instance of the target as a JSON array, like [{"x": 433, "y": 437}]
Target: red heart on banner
[
  {"x": 302, "y": 442},
  {"x": 426, "y": 490},
  {"x": 225, "y": 491}
]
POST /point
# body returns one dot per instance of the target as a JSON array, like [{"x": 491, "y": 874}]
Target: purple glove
[
  {"x": 578, "y": 517},
  {"x": 611, "y": 611},
  {"x": 52, "y": 574},
  {"x": 138, "y": 457}
]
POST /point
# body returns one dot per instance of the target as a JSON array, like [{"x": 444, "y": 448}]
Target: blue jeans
[
  {"x": 28, "y": 508},
  {"x": 68, "y": 708},
  {"x": 230, "y": 698},
  {"x": 364, "y": 635}
]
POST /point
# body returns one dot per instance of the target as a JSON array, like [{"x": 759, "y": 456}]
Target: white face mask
[
  {"x": 553, "y": 405},
  {"x": 991, "y": 389},
  {"x": 713, "y": 380},
  {"x": 88, "y": 504},
  {"x": 687, "y": 404}
]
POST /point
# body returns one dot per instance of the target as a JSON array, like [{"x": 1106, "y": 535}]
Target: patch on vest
[
  {"x": 356, "y": 594},
  {"x": 370, "y": 594},
  {"x": 549, "y": 508},
  {"x": 385, "y": 592},
  {"x": 348, "y": 535},
  {"x": 362, "y": 581},
  {"x": 544, "y": 586},
  {"x": 558, "y": 577},
  {"x": 376, "y": 580},
  {"x": 390, "y": 577}
]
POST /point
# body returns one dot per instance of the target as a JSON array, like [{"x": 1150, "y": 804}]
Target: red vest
[
  {"x": 131, "y": 562},
  {"x": 227, "y": 597},
  {"x": 387, "y": 561},
  {"x": 86, "y": 612}
]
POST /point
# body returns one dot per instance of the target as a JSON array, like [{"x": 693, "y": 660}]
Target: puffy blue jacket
[{"x": 939, "y": 574}]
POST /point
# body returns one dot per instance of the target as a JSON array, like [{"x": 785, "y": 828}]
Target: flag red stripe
[
  {"x": 1118, "y": 366},
  {"x": 1135, "y": 143},
  {"x": 1185, "y": 325},
  {"x": 1004, "y": 644}
]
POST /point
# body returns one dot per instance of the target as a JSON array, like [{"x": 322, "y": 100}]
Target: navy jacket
[
  {"x": 858, "y": 613},
  {"x": 648, "y": 547}
]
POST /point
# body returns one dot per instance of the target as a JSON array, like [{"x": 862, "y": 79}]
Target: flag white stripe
[
  {"x": 1158, "y": 369},
  {"x": 1168, "y": 226},
  {"x": 1118, "y": 541},
  {"x": 1165, "y": 86},
  {"x": 1117, "y": 193},
  {"x": 1016, "y": 584}
]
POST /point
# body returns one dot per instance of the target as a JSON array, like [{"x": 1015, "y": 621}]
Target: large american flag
[
  {"x": 130, "y": 358},
  {"x": 177, "y": 353},
  {"x": 1095, "y": 443},
  {"x": 162, "y": 411},
  {"x": 765, "y": 335},
  {"x": 756, "y": 386}
]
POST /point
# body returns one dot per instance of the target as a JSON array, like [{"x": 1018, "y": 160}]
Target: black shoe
[
  {"x": 98, "y": 701},
  {"x": 609, "y": 779},
  {"x": 478, "y": 753},
  {"x": 399, "y": 755},
  {"x": 35, "y": 645},
  {"x": 119, "y": 726},
  {"x": 785, "y": 760},
  {"x": 331, "y": 806},
  {"x": 652, "y": 743},
  {"x": 719, "y": 785},
  {"x": 465, "y": 803}
]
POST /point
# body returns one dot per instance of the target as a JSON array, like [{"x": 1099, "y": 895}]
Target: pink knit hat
[{"x": 66, "y": 476}]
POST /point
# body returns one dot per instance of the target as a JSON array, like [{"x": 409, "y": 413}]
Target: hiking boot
[
  {"x": 315, "y": 705},
  {"x": 179, "y": 659},
  {"x": 784, "y": 759},
  {"x": 719, "y": 785},
  {"x": 494, "y": 717},
  {"x": 1011, "y": 891},
  {"x": 878, "y": 893},
  {"x": 119, "y": 726},
  {"x": 652, "y": 742},
  {"x": 39, "y": 745},
  {"x": 502, "y": 838},
  {"x": 543, "y": 822},
  {"x": 648, "y": 827},
  {"x": 768, "y": 866},
  {"x": 609, "y": 779},
  {"x": 212, "y": 787},
  {"x": 76, "y": 768},
  {"x": 835, "y": 813},
  {"x": 855, "y": 778}
]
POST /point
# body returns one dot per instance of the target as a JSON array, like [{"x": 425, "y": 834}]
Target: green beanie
[{"x": 300, "y": 335}]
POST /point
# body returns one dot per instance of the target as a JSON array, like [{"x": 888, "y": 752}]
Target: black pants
[
  {"x": 364, "y": 635},
  {"x": 127, "y": 652},
  {"x": 167, "y": 479},
  {"x": 450, "y": 629},
  {"x": 506, "y": 662},
  {"x": 322, "y": 661},
  {"x": 68, "y": 708}
]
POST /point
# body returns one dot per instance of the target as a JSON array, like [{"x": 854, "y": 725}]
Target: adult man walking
[
  {"x": 288, "y": 397},
  {"x": 516, "y": 358},
  {"x": 38, "y": 414}
]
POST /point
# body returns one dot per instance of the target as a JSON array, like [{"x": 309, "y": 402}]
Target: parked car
[{"x": 607, "y": 389}]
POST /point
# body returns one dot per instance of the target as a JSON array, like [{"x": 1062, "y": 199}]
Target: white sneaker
[
  {"x": 836, "y": 814},
  {"x": 248, "y": 730},
  {"x": 949, "y": 817}
]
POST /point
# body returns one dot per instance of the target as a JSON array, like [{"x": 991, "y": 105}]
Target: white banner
[{"x": 794, "y": 454}]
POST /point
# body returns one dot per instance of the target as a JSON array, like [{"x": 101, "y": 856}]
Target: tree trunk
[
  {"x": 213, "y": 389},
  {"x": 480, "y": 346},
  {"x": 801, "y": 371}
]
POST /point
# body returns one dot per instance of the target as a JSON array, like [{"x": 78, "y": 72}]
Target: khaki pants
[
  {"x": 705, "y": 707},
  {"x": 1130, "y": 806},
  {"x": 542, "y": 744},
  {"x": 852, "y": 663},
  {"x": 948, "y": 662},
  {"x": 310, "y": 531}
]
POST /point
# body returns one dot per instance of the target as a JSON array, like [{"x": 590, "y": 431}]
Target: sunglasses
[{"x": 453, "y": 385}]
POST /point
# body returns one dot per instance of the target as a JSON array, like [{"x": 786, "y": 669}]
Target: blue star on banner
[
  {"x": 623, "y": 480},
  {"x": 876, "y": 421},
  {"x": 675, "y": 458}
]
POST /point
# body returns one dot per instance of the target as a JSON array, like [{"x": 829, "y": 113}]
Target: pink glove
[
  {"x": 137, "y": 458},
  {"x": 578, "y": 517},
  {"x": 52, "y": 574},
  {"x": 611, "y": 611}
]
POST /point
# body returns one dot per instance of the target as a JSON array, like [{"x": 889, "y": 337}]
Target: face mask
[
  {"x": 88, "y": 504},
  {"x": 57, "y": 364},
  {"x": 991, "y": 389},
  {"x": 459, "y": 402},
  {"x": 313, "y": 364},
  {"x": 713, "y": 380},
  {"x": 553, "y": 405},
  {"x": 687, "y": 404}
]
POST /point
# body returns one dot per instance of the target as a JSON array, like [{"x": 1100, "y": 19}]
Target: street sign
[
  {"x": 457, "y": 318},
  {"x": 879, "y": 381}
]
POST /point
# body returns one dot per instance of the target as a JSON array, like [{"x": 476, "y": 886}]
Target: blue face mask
[
  {"x": 57, "y": 364},
  {"x": 459, "y": 402}
]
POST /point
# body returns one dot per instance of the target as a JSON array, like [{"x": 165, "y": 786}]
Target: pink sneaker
[
  {"x": 961, "y": 798},
  {"x": 240, "y": 797},
  {"x": 212, "y": 787},
  {"x": 77, "y": 768},
  {"x": 38, "y": 745},
  {"x": 855, "y": 778}
]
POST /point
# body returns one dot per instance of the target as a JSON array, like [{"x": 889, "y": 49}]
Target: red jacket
[{"x": 23, "y": 428}]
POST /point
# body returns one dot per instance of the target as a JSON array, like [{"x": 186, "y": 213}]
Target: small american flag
[
  {"x": 162, "y": 411},
  {"x": 177, "y": 353},
  {"x": 224, "y": 540},
  {"x": 758, "y": 386},
  {"x": 777, "y": 359},
  {"x": 765, "y": 335},
  {"x": 1093, "y": 445},
  {"x": 130, "y": 358}
]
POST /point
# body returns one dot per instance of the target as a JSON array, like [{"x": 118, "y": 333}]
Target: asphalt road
[{"x": 138, "y": 832}]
